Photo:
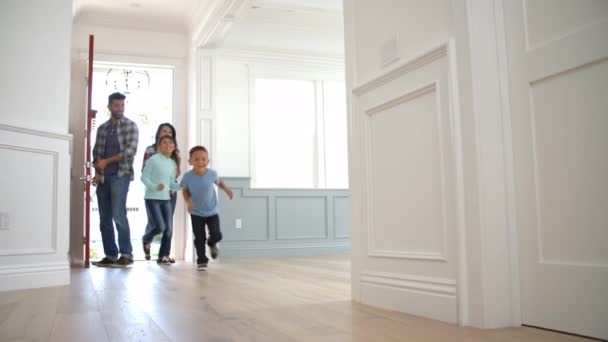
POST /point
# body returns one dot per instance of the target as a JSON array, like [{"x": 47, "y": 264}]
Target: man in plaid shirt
[{"x": 113, "y": 155}]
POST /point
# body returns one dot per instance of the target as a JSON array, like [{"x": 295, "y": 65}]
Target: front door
[{"x": 149, "y": 102}]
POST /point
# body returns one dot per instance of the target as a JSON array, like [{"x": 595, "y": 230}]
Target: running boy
[{"x": 201, "y": 198}]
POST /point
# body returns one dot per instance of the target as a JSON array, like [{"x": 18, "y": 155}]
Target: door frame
[
  {"x": 484, "y": 73},
  {"x": 180, "y": 119}
]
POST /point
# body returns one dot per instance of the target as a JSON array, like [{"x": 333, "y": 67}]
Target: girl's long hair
[{"x": 175, "y": 153}]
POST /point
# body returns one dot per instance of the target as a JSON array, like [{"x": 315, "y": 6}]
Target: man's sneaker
[
  {"x": 172, "y": 260},
  {"x": 123, "y": 261},
  {"x": 214, "y": 251},
  {"x": 146, "y": 249},
  {"x": 164, "y": 260},
  {"x": 105, "y": 262},
  {"x": 201, "y": 266}
]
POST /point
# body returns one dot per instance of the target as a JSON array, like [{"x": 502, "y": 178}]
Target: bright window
[{"x": 299, "y": 137}]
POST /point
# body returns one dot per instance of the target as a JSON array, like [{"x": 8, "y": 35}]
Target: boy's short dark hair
[
  {"x": 115, "y": 96},
  {"x": 196, "y": 149}
]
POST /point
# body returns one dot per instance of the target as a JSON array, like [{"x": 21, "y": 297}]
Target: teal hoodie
[{"x": 159, "y": 170}]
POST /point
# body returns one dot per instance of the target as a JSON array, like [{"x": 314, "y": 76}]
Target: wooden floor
[{"x": 282, "y": 299}]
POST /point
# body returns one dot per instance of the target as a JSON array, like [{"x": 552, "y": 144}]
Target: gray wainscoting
[{"x": 277, "y": 222}]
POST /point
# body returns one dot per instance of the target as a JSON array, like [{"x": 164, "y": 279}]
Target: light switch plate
[{"x": 389, "y": 51}]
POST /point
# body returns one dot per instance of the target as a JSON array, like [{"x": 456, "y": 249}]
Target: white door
[{"x": 558, "y": 52}]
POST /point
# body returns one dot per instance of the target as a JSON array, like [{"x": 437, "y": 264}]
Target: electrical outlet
[
  {"x": 4, "y": 221},
  {"x": 239, "y": 223}
]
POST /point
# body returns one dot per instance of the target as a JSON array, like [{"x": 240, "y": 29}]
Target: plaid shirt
[{"x": 128, "y": 138}]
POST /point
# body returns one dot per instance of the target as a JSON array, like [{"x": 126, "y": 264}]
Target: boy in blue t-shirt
[{"x": 201, "y": 198}]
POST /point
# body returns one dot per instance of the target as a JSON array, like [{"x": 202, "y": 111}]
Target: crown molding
[{"x": 211, "y": 23}]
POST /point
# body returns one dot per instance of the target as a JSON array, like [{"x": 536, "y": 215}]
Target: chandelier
[{"x": 127, "y": 81}]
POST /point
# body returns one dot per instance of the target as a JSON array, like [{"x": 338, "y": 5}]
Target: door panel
[{"x": 559, "y": 93}]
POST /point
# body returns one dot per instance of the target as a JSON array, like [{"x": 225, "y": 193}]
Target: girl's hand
[{"x": 160, "y": 187}]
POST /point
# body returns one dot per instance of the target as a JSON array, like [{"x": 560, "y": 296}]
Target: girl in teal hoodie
[{"x": 159, "y": 178}]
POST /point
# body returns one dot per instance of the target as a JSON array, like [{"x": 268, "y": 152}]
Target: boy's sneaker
[
  {"x": 105, "y": 262},
  {"x": 214, "y": 251},
  {"x": 146, "y": 249},
  {"x": 201, "y": 266},
  {"x": 123, "y": 261},
  {"x": 164, "y": 260}
]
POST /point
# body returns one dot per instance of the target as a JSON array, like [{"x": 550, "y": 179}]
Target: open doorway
[
  {"x": 149, "y": 102},
  {"x": 273, "y": 108}
]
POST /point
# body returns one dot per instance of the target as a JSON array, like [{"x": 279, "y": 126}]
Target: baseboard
[
  {"x": 34, "y": 276},
  {"x": 428, "y": 297},
  {"x": 283, "y": 251}
]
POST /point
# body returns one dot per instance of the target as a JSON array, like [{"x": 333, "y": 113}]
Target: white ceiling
[
  {"x": 321, "y": 5},
  {"x": 296, "y": 26},
  {"x": 302, "y": 26},
  {"x": 155, "y": 15}
]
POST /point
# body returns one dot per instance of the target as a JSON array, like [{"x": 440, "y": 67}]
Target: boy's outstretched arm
[
  {"x": 226, "y": 189},
  {"x": 187, "y": 199}
]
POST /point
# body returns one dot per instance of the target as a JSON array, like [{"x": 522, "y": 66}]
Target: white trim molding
[
  {"x": 210, "y": 22},
  {"x": 284, "y": 58},
  {"x": 37, "y": 133},
  {"x": 287, "y": 247},
  {"x": 354, "y": 148},
  {"x": 425, "y": 296},
  {"x": 205, "y": 100},
  {"x": 430, "y": 285},
  {"x": 34, "y": 276},
  {"x": 404, "y": 68},
  {"x": 459, "y": 195},
  {"x": 499, "y": 276},
  {"x": 408, "y": 96}
]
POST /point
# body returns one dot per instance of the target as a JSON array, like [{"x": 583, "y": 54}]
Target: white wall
[
  {"x": 233, "y": 119},
  {"x": 35, "y": 39},
  {"x": 420, "y": 25},
  {"x": 403, "y": 212},
  {"x": 423, "y": 151},
  {"x": 34, "y": 144},
  {"x": 124, "y": 46}
]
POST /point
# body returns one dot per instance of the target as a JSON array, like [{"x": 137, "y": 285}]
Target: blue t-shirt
[{"x": 202, "y": 192}]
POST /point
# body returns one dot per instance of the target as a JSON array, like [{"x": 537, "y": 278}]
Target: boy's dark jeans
[{"x": 198, "y": 228}]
